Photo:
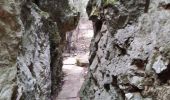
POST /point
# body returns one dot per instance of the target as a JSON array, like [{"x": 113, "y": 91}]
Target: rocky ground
[{"x": 73, "y": 80}]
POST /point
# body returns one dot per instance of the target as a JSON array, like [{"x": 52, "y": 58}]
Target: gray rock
[
  {"x": 31, "y": 47},
  {"x": 131, "y": 46},
  {"x": 10, "y": 36}
]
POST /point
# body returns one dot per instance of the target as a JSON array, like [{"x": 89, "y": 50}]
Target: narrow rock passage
[
  {"x": 74, "y": 75},
  {"x": 73, "y": 80}
]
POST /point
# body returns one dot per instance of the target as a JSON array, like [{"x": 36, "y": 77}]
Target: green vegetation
[
  {"x": 107, "y": 2},
  {"x": 95, "y": 11}
]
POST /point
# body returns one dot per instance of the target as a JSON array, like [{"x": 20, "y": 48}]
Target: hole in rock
[
  {"x": 37, "y": 2},
  {"x": 147, "y": 6},
  {"x": 121, "y": 50},
  {"x": 139, "y": 63},
  {"x": 114, "y": 80},
  {"x": 107, "y": 87},
  {"x": 98, "y": 26},
  {"x": 165, "y": 6},
  {"x": 132, "y": 88},
  {"x": 164, "y": 75}
]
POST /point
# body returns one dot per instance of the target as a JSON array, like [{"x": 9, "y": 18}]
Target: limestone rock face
[
  {"x": 61, "y": 11},
  {"x": 10, "y": 38},
  {"x": 31, "y": 48},
  {"x": 34, "y": 77},
  {"x": 66, "y": 17},
  {"x": 130, "y": 52}
]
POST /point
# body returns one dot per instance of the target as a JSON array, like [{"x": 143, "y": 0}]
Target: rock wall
[
  {"x": 130, "y": 52},
  {"x": 66, "y": 17},
  {"x": 10, "y": 37},
  {"x": 31, "y": 39}
]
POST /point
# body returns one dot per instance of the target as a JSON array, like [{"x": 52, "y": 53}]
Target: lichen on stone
[{"x": 107, "y": 2}]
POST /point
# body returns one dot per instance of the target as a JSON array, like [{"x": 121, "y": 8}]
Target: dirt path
[
  {"x": 74, "y": 75},
  {"x": 73, "y": 80}
]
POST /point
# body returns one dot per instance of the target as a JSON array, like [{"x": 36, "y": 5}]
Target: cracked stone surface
[
  {"x": 129, "y": 57},
  {"x": 129, "y": 53},
  {"x": 31, "y": 47}
]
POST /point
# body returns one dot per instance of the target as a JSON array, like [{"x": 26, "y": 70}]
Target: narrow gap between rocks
[{"x": 75, "y": 60}]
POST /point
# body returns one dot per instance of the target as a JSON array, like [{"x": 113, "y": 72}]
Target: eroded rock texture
[
  {"x": 10, "y": 36},
  {"x": 130, "y": 52},
  {"x": 31, "y": 37},
  {"x": 66, "y": 16}
]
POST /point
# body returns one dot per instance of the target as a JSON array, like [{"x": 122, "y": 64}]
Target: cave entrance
[{"x": 75, "y": 59}]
